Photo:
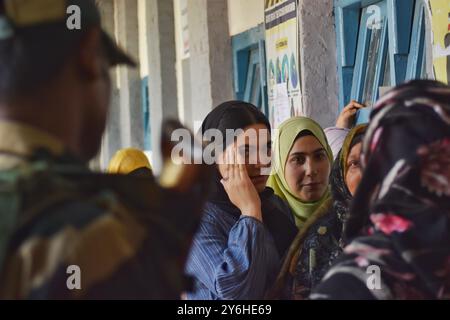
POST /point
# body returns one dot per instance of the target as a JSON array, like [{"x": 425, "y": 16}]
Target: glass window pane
[
  {"x": 423, "y": 73},
  {"x": 372, "y": 58},
  {"x": 387, "y": 71},
  {"x": 255, "y": 85}
]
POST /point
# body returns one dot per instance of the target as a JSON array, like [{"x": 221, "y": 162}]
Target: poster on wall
[
  {"x": 282, "y": 58},
  {"x": 440, "y": 26}
]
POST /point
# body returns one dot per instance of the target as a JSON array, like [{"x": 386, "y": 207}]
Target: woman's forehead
[
  {"x": 254, "y": 134},
  {"x": 356, "y": 149},
  {"x": 306, "y": 144}
]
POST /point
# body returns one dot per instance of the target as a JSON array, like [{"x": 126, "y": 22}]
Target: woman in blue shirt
[{"x": 245, "y": 229}]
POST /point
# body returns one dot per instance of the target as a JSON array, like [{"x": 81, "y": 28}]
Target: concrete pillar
[
  {"x": 161, "y": 57},
  {"x": 129, "y": 82},
  {"x": 210, "y": 57},
  {"x": 111, "y": 138},
  {"x": 318, "y": 60}
]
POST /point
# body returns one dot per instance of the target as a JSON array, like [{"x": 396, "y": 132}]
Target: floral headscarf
[{"x": 400, "y": 218}]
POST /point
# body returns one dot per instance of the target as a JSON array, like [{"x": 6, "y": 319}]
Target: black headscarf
[
  {"x": 230, "y": 115},
  {"x": 239, "y": 115}
]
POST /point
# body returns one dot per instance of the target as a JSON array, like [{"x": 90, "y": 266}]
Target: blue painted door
[
  {"x": 249, "y": 67},
  {"x": 381, "y": 43},
  {"x": 417, "y": 59}
]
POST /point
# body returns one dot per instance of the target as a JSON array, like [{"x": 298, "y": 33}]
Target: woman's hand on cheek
[{"x": 239, "y": 187}]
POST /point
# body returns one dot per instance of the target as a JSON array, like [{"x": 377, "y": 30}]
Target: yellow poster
[{"x": 440, "y": 25}]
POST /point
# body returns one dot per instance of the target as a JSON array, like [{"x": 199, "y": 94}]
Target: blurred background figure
[{"x": 130, "y": 161}]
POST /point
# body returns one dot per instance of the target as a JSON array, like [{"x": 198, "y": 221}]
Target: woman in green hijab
[
  {"x": 321, "y": 241},
  {"x": 301, "y": 167}
]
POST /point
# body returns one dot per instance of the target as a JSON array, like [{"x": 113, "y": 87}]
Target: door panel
[
  {"x": 249, "y": 67},
  {"x": 371, "y": 49},
  {"x": 381, "y": 43}
]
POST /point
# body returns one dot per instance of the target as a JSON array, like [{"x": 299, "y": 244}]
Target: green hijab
[{"x": 284, "y": 140}]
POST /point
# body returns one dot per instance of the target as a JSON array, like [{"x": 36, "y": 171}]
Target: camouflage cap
[{"x": 20, "y": 14}]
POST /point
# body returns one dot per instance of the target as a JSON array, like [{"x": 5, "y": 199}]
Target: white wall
[
  {"x": 143, "y": 49},
  {"x": 244, "y": 15},
  {"x": 318, "y": 61},
  {"x": 179, "y": 66}
]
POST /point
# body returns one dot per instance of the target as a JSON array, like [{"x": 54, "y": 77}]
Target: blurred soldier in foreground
[{"x": 66, "y": 232}]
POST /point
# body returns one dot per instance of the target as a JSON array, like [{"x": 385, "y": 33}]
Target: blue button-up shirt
[{"x": 232, "y": 257}]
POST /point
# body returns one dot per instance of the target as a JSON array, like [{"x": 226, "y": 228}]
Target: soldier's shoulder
[{"x": 79, "y": 218}]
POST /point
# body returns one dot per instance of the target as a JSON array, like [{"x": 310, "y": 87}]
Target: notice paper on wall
[{"x": 282, "y": 110}]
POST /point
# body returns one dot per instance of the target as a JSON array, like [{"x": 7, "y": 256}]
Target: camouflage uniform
[
  {"x": 121, "y": 236},
  {"x": 128, "y": 236}
]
